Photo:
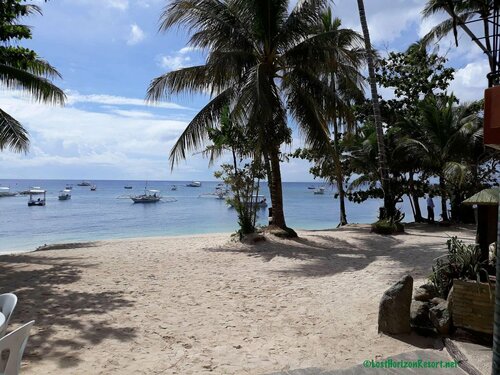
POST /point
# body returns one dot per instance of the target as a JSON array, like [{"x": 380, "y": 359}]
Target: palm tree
[
  {"x": 446, "y": 134},
  {"x": 22, "y": 69},
  {"x": 461, "y": 14},
  {"x": 382, "y": 160},
  {"x": 346, "y": 85},
  {"x": 264, "y": 63}
]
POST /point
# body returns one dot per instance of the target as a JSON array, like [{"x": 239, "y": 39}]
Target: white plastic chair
[
  {"x": 8, "y": 302},
  {"x": 14, "y": 342}
]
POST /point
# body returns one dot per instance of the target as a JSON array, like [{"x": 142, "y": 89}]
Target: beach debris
[
  {"x": 425, "y": 293},
  {"x": 394, "y": 309}
]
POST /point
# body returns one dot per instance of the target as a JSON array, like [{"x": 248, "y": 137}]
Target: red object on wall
[{"x": 492, "y": 117}]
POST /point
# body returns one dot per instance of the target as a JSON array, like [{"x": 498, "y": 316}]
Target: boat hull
[
  {"x": 145, "y": 200},
  {"x": 36, "y": 203}
]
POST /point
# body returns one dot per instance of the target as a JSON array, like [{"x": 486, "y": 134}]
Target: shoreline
[{"x": 202, "y": 304}]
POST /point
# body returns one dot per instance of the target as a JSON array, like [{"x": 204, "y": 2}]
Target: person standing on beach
[{"x": 430, "y": 208}]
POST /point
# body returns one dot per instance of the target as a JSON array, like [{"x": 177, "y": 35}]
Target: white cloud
[
  {"x": 188, "y": 49},
  {"x": 117, "y": 4},
  {"x": 174, "y": 62},
  {"x": 470, "y": 81},
  {"x": 136, "y": 35},
  {"x": 75, "y": 97},
  {"x": 116, "y": 144}
]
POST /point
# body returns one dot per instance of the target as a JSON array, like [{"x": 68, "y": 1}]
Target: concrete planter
[{"x": 472, "y": 306}]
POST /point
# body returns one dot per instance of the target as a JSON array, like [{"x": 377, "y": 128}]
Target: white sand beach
[{"x": 203, "y": 304}]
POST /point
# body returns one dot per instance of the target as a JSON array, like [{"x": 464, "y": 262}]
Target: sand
[{"x": 203, "y": 304}]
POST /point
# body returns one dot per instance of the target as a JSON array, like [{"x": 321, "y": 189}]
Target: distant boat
[
  {"x": 194, "y": 184},
  {"x": 258, "y": 201},
  {"x": 68, "y": 187},
  {"x": 311, "y": 187},
  {"x": 84, "y": 183},
  {"x": 5, "y": 192},
  {"x": 174, "y": 187},
  {"x": 34, "y": 190},
  {"x": 36, "y": 202},
  {"x": 319, "y": 191},
  {"x": 93, "y": 188},
  {"x": 127, "y": 187},
  {"x": 149, "y": 196},
  {"x": 65, "y": 194}
]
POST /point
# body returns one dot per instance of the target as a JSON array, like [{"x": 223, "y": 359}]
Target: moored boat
[
  {"x": 319, "y": 191},
  {"x": 149, "y": 196},
  {"x": 194, "y": 184},
  {"x": 5, "y": 192},
  {"x": 64, "y": 195},
  {"x": 93, "y": 188},
  {"x": 84, "y": 183},
  {"x": 127, "y": 187},
  {"x": 38, "y": 201}
]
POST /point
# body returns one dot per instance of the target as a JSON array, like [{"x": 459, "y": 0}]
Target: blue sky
[{"x": 109, "y": 50}]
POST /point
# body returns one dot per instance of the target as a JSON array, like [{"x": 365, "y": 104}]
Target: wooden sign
[{"x": 492, "y": 117}]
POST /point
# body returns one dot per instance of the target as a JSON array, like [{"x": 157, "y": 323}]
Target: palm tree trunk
[
  {"x": 389, "y": 203},
  {"x": 414, "y": 198},
  {"x": 338, "y": 174},
  {"x": 276, "y": 190},
  {"x": 442, "y": 188}
]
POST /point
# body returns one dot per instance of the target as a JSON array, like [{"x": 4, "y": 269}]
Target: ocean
[{"x": 107, "y": 213}]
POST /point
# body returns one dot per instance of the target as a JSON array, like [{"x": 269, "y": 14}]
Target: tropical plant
[
  {"x": 346, "y": 85},
  {"x": 446, "y": 132},
  {"x": 22, "y": 69},
  {"x": 263, "y": 61},
  {"x": 463, "y": 261}
]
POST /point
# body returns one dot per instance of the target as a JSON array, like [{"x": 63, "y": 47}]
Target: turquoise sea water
[{"x": 100, "y": 214}]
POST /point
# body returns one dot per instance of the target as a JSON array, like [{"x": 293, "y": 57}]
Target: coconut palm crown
[{"x": 264, "y": 62}]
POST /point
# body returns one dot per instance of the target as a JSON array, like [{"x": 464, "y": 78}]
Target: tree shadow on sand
[
  {"x": 39, "y": 284},
  {"x": 325, "y": 255}
]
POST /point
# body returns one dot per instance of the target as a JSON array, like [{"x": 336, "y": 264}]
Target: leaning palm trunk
[{"x": 389, "y": 204}]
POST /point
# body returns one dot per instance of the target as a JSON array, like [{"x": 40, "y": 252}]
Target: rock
[
  {"x": 440, "y": 318},
  {"x": 425, "y": 293},
  {"x": 437, "y": 301},
  {"x": 419, "y": 315},
  {"x": 394, "y": 309}
]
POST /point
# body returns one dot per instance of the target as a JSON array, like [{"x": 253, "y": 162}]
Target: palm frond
[
  {"x": 38, "y": 87},
  {"x": 196, "y": 131},
  {"x": 13, "y": 135}
]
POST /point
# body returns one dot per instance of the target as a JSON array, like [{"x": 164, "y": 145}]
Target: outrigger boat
[
  {"x": 5, "y": 192},
  {"x": 84, "y": 183},
  {"x": 64, "y": 195},
  {"x": 149, "y": 196},
  {"x": 194, "y": 184},
  {"x": 39, "y": 201}
]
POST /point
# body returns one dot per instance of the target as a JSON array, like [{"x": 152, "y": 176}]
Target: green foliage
[
  {"x": 462, "y": 262},
  {"x": 22, "y": 69},
  {"x": 244, "y": 183},
  {"x": 390, "y": 225}
]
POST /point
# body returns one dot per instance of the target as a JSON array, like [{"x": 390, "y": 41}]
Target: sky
[{"x": 108, "y": 51}]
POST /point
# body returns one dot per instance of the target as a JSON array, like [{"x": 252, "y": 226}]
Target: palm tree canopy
[
  {"x": 263, "y": 61},
  {"x": 21, "y": 69}
]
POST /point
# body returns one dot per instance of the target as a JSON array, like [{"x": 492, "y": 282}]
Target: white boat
[
  {"x": 68, "y": 187},
  {"x": 39, "y": 201},
  {"x": 5, "y": 192},
  {"x": 93, "y": 188},
  {"x": 259, "y": 201},
  {"x": 149, "y": 196},
  {"x": 319, "y": 191},
  {"x": 219, "y": 193},
  {"x": 194, "y": 184},
  {"x": 64, "y": 195},
  {"x": 174, "y": 187}
]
